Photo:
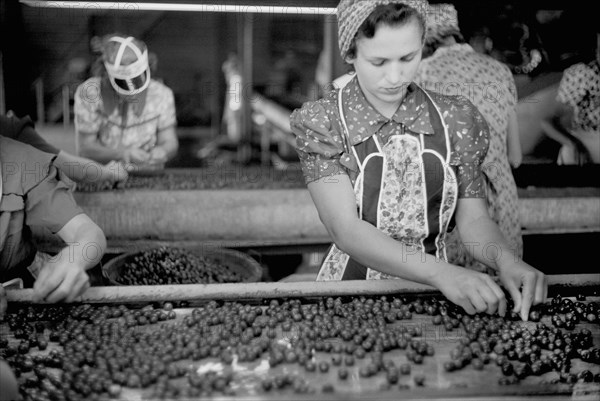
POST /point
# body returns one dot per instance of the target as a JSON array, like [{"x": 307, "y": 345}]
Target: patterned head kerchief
[
  {"x": 442, "y": 20},
  {"x": 352, "y": 13}
]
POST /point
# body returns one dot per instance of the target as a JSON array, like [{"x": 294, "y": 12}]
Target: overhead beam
[{"x": 189, "y": 7}]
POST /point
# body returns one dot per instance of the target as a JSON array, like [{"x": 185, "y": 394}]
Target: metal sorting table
[{"x": 464, "y": 384}]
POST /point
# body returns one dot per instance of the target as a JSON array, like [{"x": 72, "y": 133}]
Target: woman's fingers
[
  {"x": 466, "y": 304},
  {"x": 515, "y": 294},
  {"x": 79, "y": 288},
  {"x": 62, "y": 291},
  {"x": 501, "y": 297},
  {"x": 478, "y": 301},
  {"x": 494, "y": 297},
  {"x": 47, "y": 282},
  {"x": 540, "y": 289},
  {"x": 529, "y": 286}
]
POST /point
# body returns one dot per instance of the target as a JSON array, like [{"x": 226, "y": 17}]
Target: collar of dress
[{"x": 364, "y": 121}]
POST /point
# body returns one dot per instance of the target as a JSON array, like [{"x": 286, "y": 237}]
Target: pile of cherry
[
  {"x": 91, "y": 352},
  {"x": 168, "y": 265},
  {"x": 232, "y": 177}
]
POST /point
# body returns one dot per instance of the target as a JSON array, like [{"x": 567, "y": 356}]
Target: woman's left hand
[
  {"x": 158, "y": 155},
  {"x": 526, "y": 285},
  {"x": 60, "y": 280}
]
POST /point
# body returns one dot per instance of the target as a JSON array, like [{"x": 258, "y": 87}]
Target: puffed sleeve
[
  {"x": 23, "y": 130},
  {"x": 470, "y": 135},
  {"x": 318, "y": 144},
  {"x": 509, "y": 80},
  {"x": 572, "y": 87},
  {"x": 50, "y": 203},
  {"x": 87, "y": 102}
]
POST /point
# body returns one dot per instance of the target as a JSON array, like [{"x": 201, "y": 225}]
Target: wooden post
[
  {"x": 2, "y": 94},
  {"x": 329, "y": 47},
  {"x": 66, "y": 107},
  {"x": 249, "y": 291},
  {"x": 39, "y": 99},
  {"x": 246, "y": 43},
  {"x": 216, "y": 108}
]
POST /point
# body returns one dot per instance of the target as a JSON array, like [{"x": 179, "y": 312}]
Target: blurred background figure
[
  {"x": 123, "y": 114},
  {"x": 232, "y": 115},
  {"x": 286, "y": 77},
  {"x": 517, "y": 44},
  {"x": 223, "y": 148},
  {"x": 481, "y": 41},
  {"x": 576, "y": 123},
  {"x": 455, "y": 68}
]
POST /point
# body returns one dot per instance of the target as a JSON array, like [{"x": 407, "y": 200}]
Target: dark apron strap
[{"x": 434, "y": 176}]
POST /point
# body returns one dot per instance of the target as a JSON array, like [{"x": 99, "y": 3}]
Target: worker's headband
[{"x": 132, "y": 78}]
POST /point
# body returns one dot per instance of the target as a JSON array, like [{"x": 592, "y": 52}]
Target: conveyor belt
[
  {"x": 227, "y": 177},
  {"x": 467, "y": 383}
]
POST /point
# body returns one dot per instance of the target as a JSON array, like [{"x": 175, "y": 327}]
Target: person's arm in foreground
[
  {"x": 77, "y": 168},
  {"x": 81, "y": 169},
  {"x": 64, "y": 278},
  {"x": 484, "y": 241},
  {"x": 335, "y": 201}
]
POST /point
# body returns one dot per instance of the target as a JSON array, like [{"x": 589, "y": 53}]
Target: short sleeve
[
  {"x": 572, "y": 86},
  {"x": 87, "y": 99},
  {"x": 50, "y": 203},
  {"x": 167, "y": 116},
  {"x": 22, "y": 130},
  {"x": 470, "y": 134},
  {"x": 319, "y": 146}
]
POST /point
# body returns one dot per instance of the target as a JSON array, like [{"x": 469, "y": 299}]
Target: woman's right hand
[
  {"x": 114, "y": 172},
  {"x": 475, "y": 292},
  {"x": 135, "y": 156}
]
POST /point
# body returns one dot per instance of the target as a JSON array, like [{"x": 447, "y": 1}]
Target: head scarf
[
  {"x": 127, "y": 79},
  {"x": 352, "y": 13},
  {"x": 442, "y": 21}
]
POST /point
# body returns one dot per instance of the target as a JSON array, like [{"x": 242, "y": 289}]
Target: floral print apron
[{"x": 405, "y": 187}]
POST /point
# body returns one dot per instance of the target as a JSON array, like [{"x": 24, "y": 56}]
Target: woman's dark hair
[
  {"x": 394, "y": 14},
  {"x": 432, "y": 45}
]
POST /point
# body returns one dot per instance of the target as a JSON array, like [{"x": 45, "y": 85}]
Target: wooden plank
[{"x": 203, "y": 292}]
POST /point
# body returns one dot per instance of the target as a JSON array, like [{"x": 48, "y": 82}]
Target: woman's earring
[{"x": 489, "y": 45}]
